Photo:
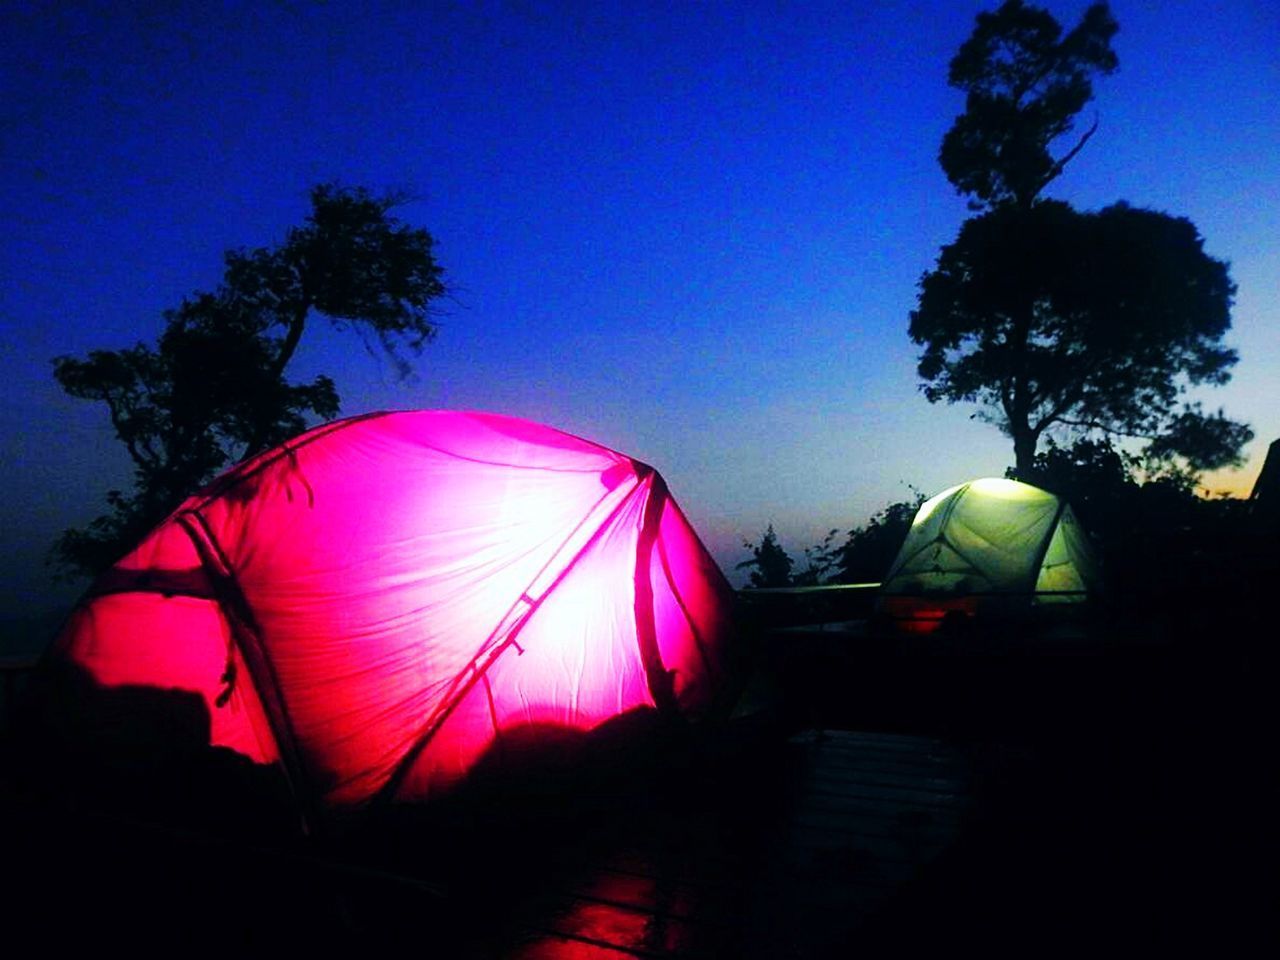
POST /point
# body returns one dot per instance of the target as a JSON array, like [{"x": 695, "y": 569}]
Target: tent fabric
[
  {"x": 993, "y": 538},
  {"x": 378, "y": 601}
]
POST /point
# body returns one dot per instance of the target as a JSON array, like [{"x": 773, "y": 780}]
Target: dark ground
[{"x": 1015, "y": 802}]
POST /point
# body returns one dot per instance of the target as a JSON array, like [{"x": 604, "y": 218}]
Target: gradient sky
[{"x": 691, "y": 232}]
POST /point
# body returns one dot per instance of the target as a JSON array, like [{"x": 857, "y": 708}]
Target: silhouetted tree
[
  {"x": 213, "y": 388},
  {"x": 1144, "y": 528},
  {"x": 1099, "y": 483},
  {"x": 819, "y": 562},
  {"x": 770, "y": 565},
  {"x": 1094, "y": 321},
  {"x": 1024, "y": 83},
  {"x": 868, "y": 552},
  {"x": 1049, "y": 318},
  {"x": 1089, "y": 474}
]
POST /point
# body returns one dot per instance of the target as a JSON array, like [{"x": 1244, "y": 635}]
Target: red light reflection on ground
[
  {"x": 922, "y": 616},
  {"x": 618, "y": 915}
]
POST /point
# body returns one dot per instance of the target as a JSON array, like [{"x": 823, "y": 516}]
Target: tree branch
[
  {"x": 1095, "y": 425},
  {"x": 297, "y": 323},
  {"x": 1029, "y": 83},
  {"x": 1056, "y": 170}
]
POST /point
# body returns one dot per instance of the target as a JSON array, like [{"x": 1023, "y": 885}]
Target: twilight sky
[{"x": 688, "y": 231}]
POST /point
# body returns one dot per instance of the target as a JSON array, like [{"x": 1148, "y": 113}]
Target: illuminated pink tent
[{"x": 376, "y": 602}]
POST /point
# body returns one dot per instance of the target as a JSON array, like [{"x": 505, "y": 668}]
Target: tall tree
[
  {"x": 213, "y": 389},
  {"x": 1024, "y": 84},
  {"x": 1093, "y": 322},
  {"x": 1049, "y": 318}
]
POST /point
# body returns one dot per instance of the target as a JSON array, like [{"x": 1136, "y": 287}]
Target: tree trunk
[
  {"x": 288, "y": 347},
  {"x": 1024, "y": 452},
  {"x": 291, "y": 339}
]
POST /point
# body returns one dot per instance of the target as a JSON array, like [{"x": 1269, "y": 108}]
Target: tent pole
[
  {"x": 245, "y": 633},
  {"x": 661, "y": 681}
]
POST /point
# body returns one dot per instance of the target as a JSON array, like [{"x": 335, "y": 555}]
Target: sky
[{"x": 691, "y": 232}]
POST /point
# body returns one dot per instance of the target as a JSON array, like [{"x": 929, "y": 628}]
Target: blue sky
[{"x": 689, "y": 231}]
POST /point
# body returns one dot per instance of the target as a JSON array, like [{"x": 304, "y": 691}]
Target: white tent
[{"x": 990, "y": 546}]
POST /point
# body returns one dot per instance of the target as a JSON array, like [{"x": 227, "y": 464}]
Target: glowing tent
[
  {"x": 993, "y": 547},
  {"x": 377, "y": 602}
]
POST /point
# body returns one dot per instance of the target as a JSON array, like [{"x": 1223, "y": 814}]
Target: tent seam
[
  {"x": 256, "y": 660},
  {"x": 1043, "y": 549},
  {"x": 434, "y": 724},
  {"x": 221, "y": 486},
  {"x": 658, "y": 678},
  {"x": 688, "y": 618}
]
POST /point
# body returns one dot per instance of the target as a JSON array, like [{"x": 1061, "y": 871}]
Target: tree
[
  {"x": 770, "y": 565},
  {"x": 1050, "y": 318},
  {"x": 869, "y": 551},
  {"x": 1055, "y": 320},
  {"x": 1024, "y": 84},
  {"x": 1096, "y": 479},
  {"x": 819, "y": 562},
  {"x": 213, "y": 389},
  {"x": 1087, "y": 473}
]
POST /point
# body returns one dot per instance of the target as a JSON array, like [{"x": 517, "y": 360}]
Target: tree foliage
[
  {"x": 1158, "y": 541},
  {"x": 819, "y": 562},
  {"x": 1024, "y": 84},
  {"x": 864, "y": 556},
  {"x": 1051, "y": 319},
  {"x": 1093, "y": 476},
  {"x": 869, "y": 550},
  {"x": 1047, "y": 317},
  {"x": 213, "y": 388},
  {"x": 770, "y": 564}
]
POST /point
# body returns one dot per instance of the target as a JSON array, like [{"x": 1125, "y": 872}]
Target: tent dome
[
  {"x": 376, "y": 602},
  {"x": 991, "y": 545}
]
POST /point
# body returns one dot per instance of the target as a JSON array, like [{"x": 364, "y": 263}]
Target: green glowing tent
[{"x": 989, "y": 547}]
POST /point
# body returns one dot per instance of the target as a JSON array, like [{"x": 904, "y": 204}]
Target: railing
[
  {"x": 836, "y": 604},
  {"x": 794, "y": 606},
  {"x": 829, "y": 588}
]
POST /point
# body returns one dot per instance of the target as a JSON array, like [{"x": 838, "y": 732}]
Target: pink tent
[{"x": 378, "y": 601}]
